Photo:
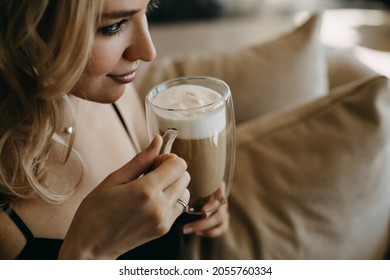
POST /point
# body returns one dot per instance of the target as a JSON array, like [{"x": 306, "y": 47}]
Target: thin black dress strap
[
  {"x": 121, "y": 118},
  {"x": 21, "y": 225},
  {"x": 125, "y": 126}
]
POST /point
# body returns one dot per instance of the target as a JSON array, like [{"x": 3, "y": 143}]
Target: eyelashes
[{"x": 113, "y": 28}]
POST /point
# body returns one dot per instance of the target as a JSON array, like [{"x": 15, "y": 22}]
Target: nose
[{"x": 141, "y": 46}]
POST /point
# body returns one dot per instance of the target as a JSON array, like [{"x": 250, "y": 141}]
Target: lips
[{"x": 123, "y": 78}]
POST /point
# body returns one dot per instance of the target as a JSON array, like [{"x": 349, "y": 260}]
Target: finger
[
  {"x": 221, "y": 192},
  {"x": 206, "y": 223},
  {"x": 215, "y": 200},
  {"x": 214, "y": 224},
  {"x": 159, "y": 160},
  {"x": 175, "y": 190},
  {"x": 178, "y": 207},
  {"x": 170, "y": 170},
  {"x": 141, "y": 162},
  {"x": 214, "y": 232}
]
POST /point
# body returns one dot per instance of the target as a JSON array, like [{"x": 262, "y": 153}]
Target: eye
[{"x": 113, "y": 28}]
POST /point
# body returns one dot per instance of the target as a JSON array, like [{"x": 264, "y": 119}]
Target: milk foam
[
  {"x": 186, "y": 97},
  {"x": 199, "y": 121}
]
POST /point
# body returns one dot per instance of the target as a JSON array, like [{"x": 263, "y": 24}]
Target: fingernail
[
  {"x": 154, "y": 142},
  {"x": 188, "y": 230}
]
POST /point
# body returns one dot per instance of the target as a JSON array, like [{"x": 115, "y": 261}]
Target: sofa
[{"x": 312, "y": 176}]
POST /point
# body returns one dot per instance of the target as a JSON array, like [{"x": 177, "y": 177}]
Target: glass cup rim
[{"x": 224, "y": 96}]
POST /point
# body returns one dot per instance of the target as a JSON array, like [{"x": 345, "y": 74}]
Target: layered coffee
[{"x": 201, "y": 140}]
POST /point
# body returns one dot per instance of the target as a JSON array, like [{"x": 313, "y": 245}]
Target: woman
[{"x": 72, "y": 140}]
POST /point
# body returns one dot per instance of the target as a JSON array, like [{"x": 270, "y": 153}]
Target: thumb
[{"x": 140, "y": 163}]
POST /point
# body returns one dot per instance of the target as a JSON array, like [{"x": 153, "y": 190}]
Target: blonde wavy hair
[{"x": 44, "y": 48}]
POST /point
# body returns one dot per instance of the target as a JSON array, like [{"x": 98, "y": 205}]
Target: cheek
[
  {"x": 94, "y": 84},
  {"x": 104, "y": 58}
]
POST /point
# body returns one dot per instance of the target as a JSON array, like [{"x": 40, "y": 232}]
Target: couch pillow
[
  {"x": 312, "y": 182},
  {"x": 344, "y": 67},
  {"x": 289, "y": 70}
]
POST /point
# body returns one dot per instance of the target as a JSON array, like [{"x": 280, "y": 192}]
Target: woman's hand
[
  {"x": 127, "y": 210},
  {"x": 211, "y": 224}
]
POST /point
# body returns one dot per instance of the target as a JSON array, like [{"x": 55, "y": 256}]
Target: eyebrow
[{"x": 119, "y": 14}]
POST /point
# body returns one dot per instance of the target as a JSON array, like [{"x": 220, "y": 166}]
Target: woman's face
[{"x": 121, "y": 42}]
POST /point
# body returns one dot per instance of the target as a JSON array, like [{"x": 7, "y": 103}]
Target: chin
[
  {"x": 106, "y": 96},
  {"x": 109, "y": 95}
]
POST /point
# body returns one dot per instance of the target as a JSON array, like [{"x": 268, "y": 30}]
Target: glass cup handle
[{"x": 168, "y": 139}]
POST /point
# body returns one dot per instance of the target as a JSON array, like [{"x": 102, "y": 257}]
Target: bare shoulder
[{"x": 11, "y": 239}]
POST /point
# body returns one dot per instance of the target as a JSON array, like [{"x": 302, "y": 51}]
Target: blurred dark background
[
  {"x": 180, "y": 10},
  {"x": 173, "y": 10}
]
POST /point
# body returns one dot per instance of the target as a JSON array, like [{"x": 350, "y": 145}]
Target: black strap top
[
  {"x": 35, "y": 248},
  {"x": 165, "y": 247}
]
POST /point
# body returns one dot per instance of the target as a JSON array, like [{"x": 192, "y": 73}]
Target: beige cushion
[
  {"x": 345, "y": 67},
  {"x": 283, "y": 72},
  {"x": 312, "y": 182}
]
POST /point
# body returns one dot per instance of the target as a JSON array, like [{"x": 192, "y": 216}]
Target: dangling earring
[{"x": 68, "y": 130}]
